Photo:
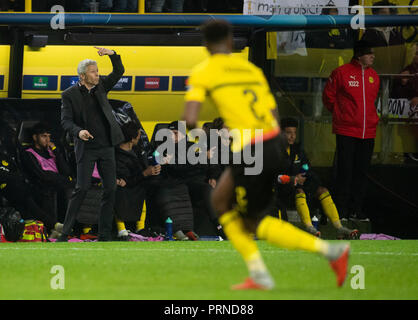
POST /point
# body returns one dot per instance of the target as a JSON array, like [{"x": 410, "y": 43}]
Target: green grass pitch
[{"x": 202, "y": 270}]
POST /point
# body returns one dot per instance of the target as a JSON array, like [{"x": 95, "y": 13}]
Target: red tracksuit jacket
[{"x": 350, "y": 94}]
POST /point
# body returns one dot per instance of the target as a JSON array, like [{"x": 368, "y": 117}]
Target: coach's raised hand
[{"x": 104, "y": 51}]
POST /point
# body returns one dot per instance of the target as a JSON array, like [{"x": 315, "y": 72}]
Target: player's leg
[
  {"x": 303, "y": 212},
  {"x": 345, "y": 151},
  {"x": 283, "y": 234},
  {"x": 238, "y": 235},
  {"x": 331, "y": 212},
  {"x": 362, "y": 159}
]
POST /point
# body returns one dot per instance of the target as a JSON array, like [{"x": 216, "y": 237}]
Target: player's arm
[
  {"x": 191, "y": 113},
  {"x": 329, "y": 96}
]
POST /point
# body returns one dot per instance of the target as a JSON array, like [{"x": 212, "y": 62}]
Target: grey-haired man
[{"x": 87, "y": 115}]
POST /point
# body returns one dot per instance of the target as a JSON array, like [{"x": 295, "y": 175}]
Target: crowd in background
[{"x": 188, "y": 6}]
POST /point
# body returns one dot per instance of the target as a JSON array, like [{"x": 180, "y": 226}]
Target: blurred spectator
[
  {"x": 383, "y": 36},
  {"x": 14, "y": 5},
  {"x": 223, "y": 144},
  {"x": 350, "y": 95},
  {"x": 131, "y": 173},
  {"x": 408, "y": 87},
  {"x": 191, "y": 179},
  {"x": 94, "y": 5},
  {"x": 19, "y": 193},
  {"x": 73, "y": 5},
  {"x": 387, "y": 41},
  {"x": 106, "y": 5},
  {"x": 333, "y": 38},
  {"x": 176, "y": 5},
  {"x": 195, "y": 6},
  {"x": 48, "y": 170},
  {"x": 176, "y": 189},
  {"x": 6, "y": 5},
  {"x": 125, "y": 6},
  {"x": 224, "y": 6},
  {"x": 46, "y": 5}
]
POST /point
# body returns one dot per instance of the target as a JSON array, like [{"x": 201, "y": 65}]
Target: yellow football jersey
[{"x": 241, "y": 94}]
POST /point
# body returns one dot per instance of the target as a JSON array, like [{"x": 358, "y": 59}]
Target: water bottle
[
  {"x": 169, "y": 229},
  {"x": 315, "y": 222},
  {"x": 155, "y": 158},
  {"x": 304, "y": 169}
]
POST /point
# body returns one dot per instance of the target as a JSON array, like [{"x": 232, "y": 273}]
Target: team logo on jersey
[
  {"x": 353, "y": 82},
  {"x": 371, "y": 80}
]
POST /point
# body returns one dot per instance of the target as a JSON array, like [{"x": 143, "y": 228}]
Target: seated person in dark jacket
[
  {"x": 192, "y": 178},
  {"x": 133, "y": 181},
  {"x": 19, "y": 193},
  {"x": 222, "y": 149},
  {"x": 48, "y": 169},
  {"x": 304, "y": 182}
]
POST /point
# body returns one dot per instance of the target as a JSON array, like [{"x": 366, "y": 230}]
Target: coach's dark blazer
[{"x": 73, "y": 113}]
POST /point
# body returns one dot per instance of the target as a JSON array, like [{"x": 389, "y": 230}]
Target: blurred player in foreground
[{"x": 243, "y": 98}]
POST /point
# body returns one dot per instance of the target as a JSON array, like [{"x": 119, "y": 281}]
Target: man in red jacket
[{"x": 350, "y": 95}]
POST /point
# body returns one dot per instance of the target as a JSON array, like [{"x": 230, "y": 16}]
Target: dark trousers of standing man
[
  {"x": 353, "y": 162},
  {"x": 105, "y": 158}
]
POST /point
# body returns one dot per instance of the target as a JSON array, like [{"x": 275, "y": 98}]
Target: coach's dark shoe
[{"x": 62, "y": 238}]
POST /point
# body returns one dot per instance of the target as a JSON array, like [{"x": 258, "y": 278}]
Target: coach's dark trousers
[
  {"x": 105, "y": 158},
  {"x": 353, "y": 162}
]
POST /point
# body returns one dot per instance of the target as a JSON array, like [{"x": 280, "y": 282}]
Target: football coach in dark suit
[{"x": 87, "y": 115}]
